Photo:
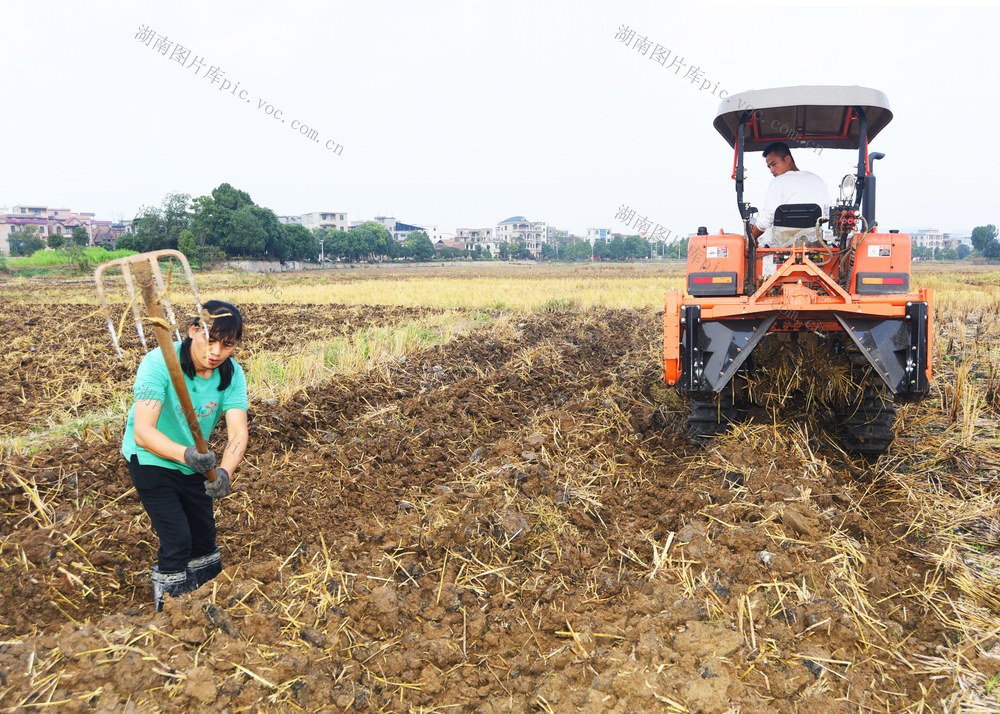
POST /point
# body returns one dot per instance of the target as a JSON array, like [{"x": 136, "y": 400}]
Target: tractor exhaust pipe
[{"x": 868, "y": 197}]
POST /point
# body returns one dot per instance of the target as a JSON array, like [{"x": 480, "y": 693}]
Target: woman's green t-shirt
[{"x": 152, "y": 381}]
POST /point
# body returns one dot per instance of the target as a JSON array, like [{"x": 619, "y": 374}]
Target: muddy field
[
  {"x": 512, "y": 521},
  {"x": 59, "y": 361}
]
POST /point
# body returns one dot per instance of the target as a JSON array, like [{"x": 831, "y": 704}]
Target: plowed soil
[
  {"x": 58, "y": 360},
  {"x": 508, "y": 522}
]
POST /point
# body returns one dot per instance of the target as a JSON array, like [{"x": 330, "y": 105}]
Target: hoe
[
  {"x": 840, "y": 283},
  {"x": 154, "y": 289}
]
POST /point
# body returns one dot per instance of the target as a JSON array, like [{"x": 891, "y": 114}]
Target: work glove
[
  {"x": 199, "y": 462},
  {"x": 219, "y": 488}
]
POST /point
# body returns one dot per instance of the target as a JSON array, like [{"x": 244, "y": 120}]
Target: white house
[{"x": 533, "y": 233}]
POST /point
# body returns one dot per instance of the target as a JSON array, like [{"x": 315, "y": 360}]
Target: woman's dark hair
[{"x": 226, "y": 326}]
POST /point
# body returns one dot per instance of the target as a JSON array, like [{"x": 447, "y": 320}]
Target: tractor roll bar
[{"x": 863, "y": 166}]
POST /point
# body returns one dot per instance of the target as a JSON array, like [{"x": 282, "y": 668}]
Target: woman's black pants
[{"x": 181, "y": 513}]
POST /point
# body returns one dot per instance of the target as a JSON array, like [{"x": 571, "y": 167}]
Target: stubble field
[{"x": 468, "y": 489}]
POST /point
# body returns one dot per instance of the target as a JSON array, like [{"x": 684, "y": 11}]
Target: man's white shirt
[{"x": 793, "y": 187}]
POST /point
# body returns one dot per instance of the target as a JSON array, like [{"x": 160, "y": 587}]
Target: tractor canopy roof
[{"x": 823, "y": 117}]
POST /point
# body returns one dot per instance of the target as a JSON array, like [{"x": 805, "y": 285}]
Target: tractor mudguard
[
  {"x": 712, "y": 352},
  {"x": 896, "y": 349}
]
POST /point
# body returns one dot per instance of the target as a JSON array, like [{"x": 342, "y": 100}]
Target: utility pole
[{"x": 321, "y": 251}]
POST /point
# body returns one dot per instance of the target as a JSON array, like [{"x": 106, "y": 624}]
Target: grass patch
[
  {"x": 280, "y": 376},
  {"x": 558, "y": 304},
  {"x": 43, "y": 257}
]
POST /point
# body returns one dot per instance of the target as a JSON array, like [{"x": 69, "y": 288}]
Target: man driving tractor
[{"x": 790, "y": 185}]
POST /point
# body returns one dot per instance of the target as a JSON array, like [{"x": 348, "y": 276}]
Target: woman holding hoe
[{"x": 166, "y": 468}]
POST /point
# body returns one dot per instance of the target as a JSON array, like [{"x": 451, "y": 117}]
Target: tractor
[{"x": 837, "y": 290}]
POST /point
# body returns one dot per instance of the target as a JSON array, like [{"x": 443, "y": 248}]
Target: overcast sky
[{"x": 464, "y": 113}]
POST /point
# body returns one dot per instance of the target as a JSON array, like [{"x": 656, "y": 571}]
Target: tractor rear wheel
[{"x": 868, "y": 426}]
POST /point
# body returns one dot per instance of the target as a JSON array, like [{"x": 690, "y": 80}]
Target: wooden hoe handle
[{"x": 144, "y": 277}]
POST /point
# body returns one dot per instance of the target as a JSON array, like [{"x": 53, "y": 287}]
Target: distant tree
[
  {"x": 77, "y": 254},
  {"x": 338, "y": 243},
  {"x": 557, "y": 247},
  {"x": 248, "y": 236},
  {"x": 554, "y": 248},
  {"x": 983, "y": 236},
  {"x": 374, "y": 240},
  {"x": 275, "y": 245},
  {"x": 576, "y": 250},
  {"x": 419, "y": 245},
  {"x": 186, "y": 244},
  {"x": 448, "y": 253},
  {"x": 128, "y": 241},
  {"x": 392, "y": 246},
  {"x": 208, "y": 255},
  {"x": 80, "y": 236},
  {"x": 232, "y": 198},
  {"x": 520, "y": 251},
  {"x": 992, "y": 250},
  {"x": 209, "y": 222},
  {"x": 212, "y": 220},
  {"x": 963, "y": 251},
  {"x": 615, "y": 250},
  {"x": 302, "y": 243},
  {"x": 160, "y": 228},
  {"x": 327, "y": 236},
  {"x": 358, "y": 242},
  {"x": 55, "y": 240},
  {"x": 636, "y": 247},
  {"x": 25, "y": 241},
  {"x": 947, "y": 254}
]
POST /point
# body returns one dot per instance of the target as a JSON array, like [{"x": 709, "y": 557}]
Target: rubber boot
[
  {"x": 201, "y": 570},
  {"x": 173, "y": 584}
]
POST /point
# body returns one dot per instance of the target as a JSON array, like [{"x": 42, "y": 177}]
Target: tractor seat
[{"x": 795, "y": 223}]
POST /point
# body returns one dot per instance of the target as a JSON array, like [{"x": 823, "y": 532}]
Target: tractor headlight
[{"x": 847, "y": 186}]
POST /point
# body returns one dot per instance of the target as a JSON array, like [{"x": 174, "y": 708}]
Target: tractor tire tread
[
  {"x": 869, "y": 429},
  {"x": 710, "y": 418}
]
